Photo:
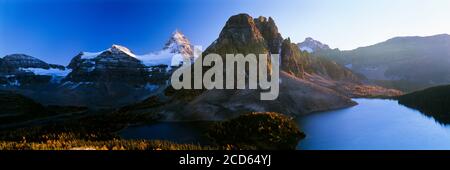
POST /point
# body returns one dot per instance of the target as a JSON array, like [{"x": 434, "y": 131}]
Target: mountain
[
  {"x": 117, "y": 77},
  {"x": 269, "y": 31},
  {"x": 110, "y": 78},
  {"x": 239, "y": 35},
  {"x": 327, "y": 73},
  {"x": 176, "y": 50},
  {"x": 25, "y": 70},
  {"x": 244, "y": 34},
  {"x": 113, "y": 77},
  {"x": 116, "y": 64},
  {"x": 24, "y": 61},
  {"x": 104, "y": 79},
  {"x": 405, "y": 63},
  {"x": 310, "y": 45},
  {"x": 300, "y": 63},
  {"x": 433, "y": 102}
]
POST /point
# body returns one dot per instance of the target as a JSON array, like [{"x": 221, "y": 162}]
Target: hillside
[
  {"x": 433, "y": 101},
  {"x": 16, "y": 108},
  {"x": 327, "y": 73},
  {"x": 405, "y": 63}
]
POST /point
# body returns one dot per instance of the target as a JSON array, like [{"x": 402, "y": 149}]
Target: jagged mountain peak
[
  {"x": 311, "y": 45},
  {"x": 269, "y": 31},
  {"x": 179, "y": 43},
  {"x": 265, "y": 19},
  {"x": 242, "y": 34},
  {"x": 176, "y": 50},
  {"x": 241, "y": 27}
]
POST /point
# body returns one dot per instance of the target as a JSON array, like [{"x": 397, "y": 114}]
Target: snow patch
[
  {"x": 74, "y": 85},
  {"x": 164, "y": 57},
  {"x": 307, "y": 49},
  {"x": 349, "y": 66},
  {"x": 15, "y": 83},
  {"x": 151, "y": 87},
  {"x": 118, "y": 48},
  {"x": 114, "y": 49},
  {"x": 89, "y": 55},
  {"x": 47, "y": 72}
]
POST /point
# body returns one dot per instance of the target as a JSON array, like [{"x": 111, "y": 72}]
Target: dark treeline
[{"x": 433, "y": 102}]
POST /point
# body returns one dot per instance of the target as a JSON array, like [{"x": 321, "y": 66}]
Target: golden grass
[{"x": 116, "y": 144}]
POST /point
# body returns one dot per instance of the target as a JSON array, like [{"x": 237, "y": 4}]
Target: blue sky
[{"x": 57, "y": 30}]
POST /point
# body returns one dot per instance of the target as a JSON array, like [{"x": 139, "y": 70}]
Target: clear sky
[{"x": 57, "y": 30}]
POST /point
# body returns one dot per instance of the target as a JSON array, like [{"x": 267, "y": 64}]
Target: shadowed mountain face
[
  {"x": 405, "y": 63},
  {"x": 15, "y": 104},
  {"x": 269, "y": 31},
  {"x": 16, "y": 108}
]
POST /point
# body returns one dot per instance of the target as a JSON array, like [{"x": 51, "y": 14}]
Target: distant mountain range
[
  {"x": 117, "y": 77},
  {"x": 310, "y": 45},
  {"x": 405, "y": 63},
  {"x": 109, "y": 78}
]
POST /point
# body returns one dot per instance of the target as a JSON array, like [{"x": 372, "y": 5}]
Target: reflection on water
[{"x": 373, "y": 124}]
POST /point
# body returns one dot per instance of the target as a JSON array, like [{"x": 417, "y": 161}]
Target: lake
[
  {"x": 180, "y": 132},
  {"x": 374, "y": 124}
]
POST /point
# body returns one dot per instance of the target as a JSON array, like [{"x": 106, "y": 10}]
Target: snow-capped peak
[
  {"x": 310, "y": 45},
  {"x": 118, "y": 48},
  {"x": 115, "y": 49},
  {"x": 177, "y": 50},
  {"x": 178, "y": 43}
]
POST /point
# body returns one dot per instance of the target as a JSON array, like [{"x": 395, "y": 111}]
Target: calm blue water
[
  {"x": 180, "y": 132},
  {"x": 374, "y": 124}
]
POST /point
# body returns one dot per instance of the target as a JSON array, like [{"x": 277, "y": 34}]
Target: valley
[{"x": 407, "y": 63}]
